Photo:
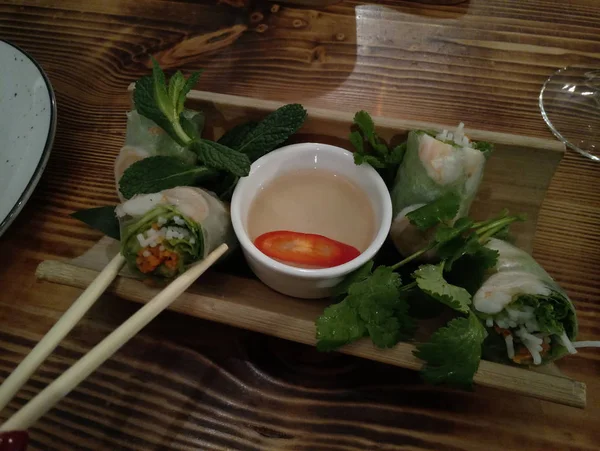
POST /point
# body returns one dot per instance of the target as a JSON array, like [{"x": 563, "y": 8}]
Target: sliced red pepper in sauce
[{"x": 305, "y": 249}]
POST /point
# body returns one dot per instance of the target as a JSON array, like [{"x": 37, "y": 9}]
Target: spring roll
[
  {"x": 146, "y": 139},
  {"x": 524, "y": 307},
  {"x": 163, "y": 233},
  {"x": 432, "y": 167}
]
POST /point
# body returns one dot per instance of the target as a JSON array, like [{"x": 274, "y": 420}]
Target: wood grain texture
[
  {"x": 189, "y": 384},
  {"x": 249, "y": 304}
]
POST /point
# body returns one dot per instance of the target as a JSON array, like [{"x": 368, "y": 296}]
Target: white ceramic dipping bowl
[{"x": 300, "y": 282}]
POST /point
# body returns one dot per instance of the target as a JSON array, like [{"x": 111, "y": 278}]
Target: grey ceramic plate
[{"x": 27, "y": 128}]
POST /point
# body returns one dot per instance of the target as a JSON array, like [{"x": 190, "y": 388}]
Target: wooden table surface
[{"x": 184, "y": 383}]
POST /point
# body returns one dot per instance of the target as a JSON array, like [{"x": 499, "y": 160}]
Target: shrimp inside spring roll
[
  {"x": 433, "y": 166},
  {"x": 521, "y": 304},
  {"x": 162, "y": 233}
]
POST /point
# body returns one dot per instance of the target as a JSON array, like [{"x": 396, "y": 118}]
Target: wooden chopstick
[
  {"x": 52, "y": 394},
  {"x": 62, "y": 327}
]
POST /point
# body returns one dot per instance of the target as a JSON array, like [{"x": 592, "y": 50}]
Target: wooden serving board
[{"x": 516, "y": 177}]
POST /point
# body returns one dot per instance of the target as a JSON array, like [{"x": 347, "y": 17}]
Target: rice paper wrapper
[
  {"x": 514, "y": 263},
  {"x": 430, "y": 169},
  {"x": 186, "y": 221}
]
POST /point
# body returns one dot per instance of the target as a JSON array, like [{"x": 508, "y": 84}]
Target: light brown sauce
[{"x": 314, "y": 201}]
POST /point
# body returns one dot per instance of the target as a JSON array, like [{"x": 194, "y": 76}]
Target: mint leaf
[
  {"x": 161, "y": 96},
  {"x": 453, "y": 353},
  {"x": 272, "y": 131},
  {"x": 443, "y": 209},
  {"x": 100, "y": 218},
  {"x": 143, "y": 98},
  {"x": 236, "y": 136},
  {"x": 193, "y": 128},
  {"x": 176, "y": 84},
  {"x": 163, "y": 103},
  {"x": 187, "y": 87},
  {"x": 154, "y": 174},
  {"x": 338, "y": 325},
  {"x": 218, "y": 156},
  {"x": 358, "y": 275},
  {"x": 430, "y": 279}
]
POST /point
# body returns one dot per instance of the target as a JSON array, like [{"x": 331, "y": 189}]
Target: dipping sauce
[{"x": 314, "y": 201}]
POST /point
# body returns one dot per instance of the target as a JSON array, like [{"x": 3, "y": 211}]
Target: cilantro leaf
[
  {"x": 359, "y": 275},
  {"x": 100, "y": 218},
  {"x": 366, "y": 125},
  {"x": 154, "y": 174},
  {"x": 390, "y": 330},
  {"x": 430, "y": 279},
  {"x": 338, "y": 325},
  {"x": 378, "y": 307},
  {"x": 453, "y": 353},
  {"x": 273, "y": 130},
  {"x": 371, "y": 149},
  {"x": 397, "y": 154},
  {"x": 469, "y": 270},
  {"x": 235, "y": 136},
  {"x": 444, "y": 233},
  {"x": 357, "y": 142},
  {"x": 218, "y": 156},
  {"x": 443, "y": 209}
]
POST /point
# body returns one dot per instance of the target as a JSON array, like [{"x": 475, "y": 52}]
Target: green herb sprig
[
  {"x": 221, "y": 163},
  {"x": 375, "y": 303}
]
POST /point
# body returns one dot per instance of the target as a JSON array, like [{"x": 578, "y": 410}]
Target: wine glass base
[{"x": 570, "y": 104}]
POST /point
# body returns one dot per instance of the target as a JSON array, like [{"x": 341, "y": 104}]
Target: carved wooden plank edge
[
  {"x": 550, "y": 145},
  {"x": 557, "y": 389}
]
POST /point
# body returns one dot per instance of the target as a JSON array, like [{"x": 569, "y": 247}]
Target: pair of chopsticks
[{"x": 65, "y": 383}]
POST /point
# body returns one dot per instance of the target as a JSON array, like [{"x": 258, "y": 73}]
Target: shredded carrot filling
[
  {"x": 523, "y": 354},
  {"x": 503, "y": 332},
  {"x": 155, "y": 258}
]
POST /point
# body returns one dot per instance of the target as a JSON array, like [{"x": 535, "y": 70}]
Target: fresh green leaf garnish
[
  {"x": 272, "y": 131},
  {"x": 430, "y": 279},
  {"x": 550, "y": 311},
  {"x": 359, "y": 275},
  {"x": 446, "y": 233},
  {"x": 370, "y": 149},
  {"x": 155, "y": 174},
  {"x": 192, "y": 128},
  {"x": 339, "y": 324},
  {"x": 100, "y": 218},
  {"x": 443, "y": 209},
  {"x": 218, "y": 156},
  {"x": 379, "y": 307},
  {"x": 235, "y": 137},
  {"x": 163, "y": 103},
  {"x": 484, "y": 147},
  {"x": 453, "y": 353}
]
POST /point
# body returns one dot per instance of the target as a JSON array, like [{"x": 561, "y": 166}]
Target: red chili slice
[{"x": 305, "y": 249}]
